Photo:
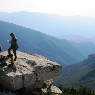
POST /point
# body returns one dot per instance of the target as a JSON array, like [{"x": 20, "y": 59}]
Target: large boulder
[{"x": 31, "y": 71}]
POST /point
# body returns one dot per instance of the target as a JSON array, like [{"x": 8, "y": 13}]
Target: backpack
[{"x": 17, "y": 47}]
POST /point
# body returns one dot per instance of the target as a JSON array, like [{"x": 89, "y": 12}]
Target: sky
[{"x": 59, "y": 7}]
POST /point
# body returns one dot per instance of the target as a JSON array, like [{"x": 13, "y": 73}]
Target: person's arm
[{"x": 10, "y": 42}]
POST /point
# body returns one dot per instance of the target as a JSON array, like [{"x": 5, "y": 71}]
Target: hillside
[
  {"x": 54, "y": 25},
  {"x": 82, "y": 73},
  {"x": 31, "y": 41}
]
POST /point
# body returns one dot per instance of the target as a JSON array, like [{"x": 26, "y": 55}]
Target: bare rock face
[
  {"x": 31, "y": 71},
  {"x": 49, "y": 88},
  {"x": 56, "y": 90},
  {"x": 91, "y": 57}
]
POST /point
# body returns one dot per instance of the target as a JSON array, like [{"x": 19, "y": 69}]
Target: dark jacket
[{"x": 14, "y": 41}]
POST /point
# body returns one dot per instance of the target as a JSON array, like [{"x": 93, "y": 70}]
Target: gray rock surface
[
  {"x": 91, "y": 57},
  {"x": 56, "y": 90},
  {"x": 49, "y": 88},
  {"x": 31, "y": 70}
]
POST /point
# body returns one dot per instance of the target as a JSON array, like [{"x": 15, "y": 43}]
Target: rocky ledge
[{"x": 32, "y": 71}]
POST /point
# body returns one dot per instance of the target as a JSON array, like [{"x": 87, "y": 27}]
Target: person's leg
[
  {"x": 9, "y": 51},
  {"x": 14, "y": 51},
  {"x": 12, "y": 64}
]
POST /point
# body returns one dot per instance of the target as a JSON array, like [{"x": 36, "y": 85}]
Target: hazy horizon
[
  {"x": 59, "y": 7},
  {"x": 69, "y": 27},
  {"x": 78, "y": 15}
]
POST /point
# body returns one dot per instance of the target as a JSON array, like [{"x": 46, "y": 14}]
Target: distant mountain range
[
  {"x": 54, "y": 25},
  {"x": 76, "y": 38},
  {"x": 74, "y": 28},
  {"x": 62, "y": 51},
  {"x": 82, "y": 73}
]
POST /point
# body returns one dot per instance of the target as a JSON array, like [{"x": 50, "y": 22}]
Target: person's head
[{"x": 12, "y": 34}]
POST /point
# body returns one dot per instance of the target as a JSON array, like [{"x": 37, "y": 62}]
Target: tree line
[{"x": 80, "y": 91}]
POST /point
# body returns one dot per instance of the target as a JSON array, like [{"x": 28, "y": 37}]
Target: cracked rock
[{"x": 31, "y": 70}]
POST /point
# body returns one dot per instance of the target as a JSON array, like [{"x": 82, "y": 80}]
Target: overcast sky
[{"x": 60, "y": 7}]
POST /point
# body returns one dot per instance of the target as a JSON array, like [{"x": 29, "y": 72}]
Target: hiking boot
[
  {"x": 8, "y": 55},
  {"x": 14, "y": 59}
]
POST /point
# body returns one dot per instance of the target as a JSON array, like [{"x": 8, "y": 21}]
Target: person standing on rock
[{"x": 13, "y": 46}]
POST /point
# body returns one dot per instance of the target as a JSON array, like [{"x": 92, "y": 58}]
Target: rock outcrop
[
  {"x": 32, "y": 71},
  {"x": 91, "y": 57}
]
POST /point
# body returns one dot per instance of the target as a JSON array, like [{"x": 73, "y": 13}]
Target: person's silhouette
[{"x": 13, "y": 45}]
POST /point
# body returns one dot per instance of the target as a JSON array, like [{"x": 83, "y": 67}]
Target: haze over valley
[{"x": 74, "y": 28}]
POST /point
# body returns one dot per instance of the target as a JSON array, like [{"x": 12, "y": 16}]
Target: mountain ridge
[
  {"x": 52, "y": 24},
  {"x": 82, "y": 73},
  {"x": 31, "y": 41}
]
